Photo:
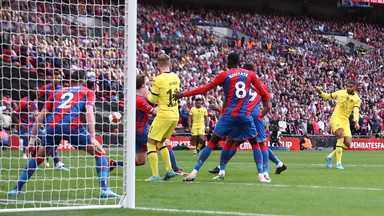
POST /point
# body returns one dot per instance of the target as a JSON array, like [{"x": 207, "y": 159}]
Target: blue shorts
[
  {"x": 236, "y": 133},
  {"x": 78, "y": 138},
  {"x": 244, "y": 124},
  {"x": 141, "y": 142}
]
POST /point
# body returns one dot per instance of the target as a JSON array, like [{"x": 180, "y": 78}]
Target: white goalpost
[{"x": 40, "y": 40}]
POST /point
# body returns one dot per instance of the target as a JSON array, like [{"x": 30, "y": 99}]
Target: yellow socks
[
  {"x": 153, "y": 160},
  {"x": 340, "y": 147},
  {"x": 165, "y": 154},
  {"x": 200, "y": 145}
]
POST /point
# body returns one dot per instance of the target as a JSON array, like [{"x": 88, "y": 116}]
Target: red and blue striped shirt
[
  {"x": 67, "y": 105},
  {"x": 143, "y": 108},
  {"x": 236, "y": 85}
]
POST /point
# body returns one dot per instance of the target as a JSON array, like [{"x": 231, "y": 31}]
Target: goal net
[{"x": 43, "y": 43}]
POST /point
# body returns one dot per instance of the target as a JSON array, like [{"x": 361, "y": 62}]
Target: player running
[
  {"x": 63, "y": 112},
  {"x": 236, "y": 84},
  {"x": 347, "y": 101},
  {"x": 197, "y": 116}
]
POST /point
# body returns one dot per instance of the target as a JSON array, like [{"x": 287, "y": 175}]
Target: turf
[{"x": 307, "y": 187}]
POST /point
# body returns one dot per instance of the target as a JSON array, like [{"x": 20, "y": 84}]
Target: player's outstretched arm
[
  {"x": 325, "y": 95},
  {"x": 219, "y": 79}
]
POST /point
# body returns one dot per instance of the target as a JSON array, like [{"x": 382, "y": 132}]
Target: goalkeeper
[{"x": 347, "y": 101}]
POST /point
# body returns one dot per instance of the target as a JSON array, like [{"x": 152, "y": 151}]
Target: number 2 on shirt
[{"x": 67, "y": 97}]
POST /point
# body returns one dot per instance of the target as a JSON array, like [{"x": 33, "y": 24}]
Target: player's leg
[
  {"x": 173, "y": 159},
  {"x": 338, "y": 131},
  {"x": 81, "y": 140},
  {"x": 204, "y": 155},
  {"x": 264, "y": 153},
  {"x": 280, "y": 165},
  {"x": 155, "y": 135},
  {"x": 343, "y": 143},
  {"x": 141, "y": 151},
  {"x": 58, "y": 164},
  {"x": 24, "y": 137},
  {"x": 29, "y": 170},
  {"x": 164, "y": 151},
  {"x": 201, "y": 139},
  {"x": 169, "y": 173},
  {"x": 226, "y": 156},
  {"x": 259, "y": 124},
  {"x": 223, "y": 126},
  {"x": 232, "y": 152},
  {"x": 160, "y": 131},
  {"x": 193, "y": 142}
]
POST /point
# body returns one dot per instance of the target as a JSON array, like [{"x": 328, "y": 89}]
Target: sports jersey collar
[{"x": 167, "y": 72}]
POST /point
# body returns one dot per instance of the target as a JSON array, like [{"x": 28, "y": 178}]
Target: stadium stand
[{"x": 291, "y": 55}]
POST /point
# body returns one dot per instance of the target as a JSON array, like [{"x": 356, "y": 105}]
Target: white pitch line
[
  {"x": 294, "y": 164},
  {"x": 280, "y": 185},
  {"x": 203, "y": 211}
]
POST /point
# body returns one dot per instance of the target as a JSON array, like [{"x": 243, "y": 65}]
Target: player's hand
[
  {"x": 25, "y": 128},
  {"x": 154, "y": 112},
  {"x": 318, "y": 90},
  {"x": 30, "y": 150},
  {"x": 145, "y": 92},
  {"x": 177, "y": 95},
  {"x": 213, "y": 107},
  {"x": 260, "y": 116},
  {"x": 206, "y": 129}
]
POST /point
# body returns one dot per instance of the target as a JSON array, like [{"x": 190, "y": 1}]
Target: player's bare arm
[
  {"x": 318, "y": 90},
  {"x": 32, "y": 140}
]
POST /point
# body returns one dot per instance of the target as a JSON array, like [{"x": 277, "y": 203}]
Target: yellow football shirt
[
  {"x": 198, "y": 115},
  {"x": 164, "y": 87},
  {"x": 346, "y": 103}
]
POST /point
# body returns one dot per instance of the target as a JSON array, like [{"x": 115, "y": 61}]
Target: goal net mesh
[{"x": 40, "y": 39}]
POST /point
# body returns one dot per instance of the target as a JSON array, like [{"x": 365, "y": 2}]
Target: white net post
[
  {"x": 130, "y": 102},
  {"x": 39, "y": 37}
]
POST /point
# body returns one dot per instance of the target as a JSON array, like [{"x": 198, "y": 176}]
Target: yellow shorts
[
  {"x": 196, "y": 131},
  {"x": 161, "y": 129},
  {"x": 337, "y": 123}
]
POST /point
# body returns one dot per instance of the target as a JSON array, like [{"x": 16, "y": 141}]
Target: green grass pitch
[{"x": 307, "y": 187}]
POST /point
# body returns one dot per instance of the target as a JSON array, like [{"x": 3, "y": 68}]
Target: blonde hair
[{"x": 163, "y": 60}]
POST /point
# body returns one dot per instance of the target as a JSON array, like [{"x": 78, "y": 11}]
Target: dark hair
[
  {"x": 351, "y": 82},
  {"x": 78, "y": 76},
  {"x": 233, "y": 59},
  {"x": 248, "y": 66},
  {"x": 198, "y": 99},
  {"x": 140, "y": 80},
  {"x": 56, "y": 72}
]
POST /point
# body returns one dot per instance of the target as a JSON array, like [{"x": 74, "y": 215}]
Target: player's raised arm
[{"x": 325, "y": 95}]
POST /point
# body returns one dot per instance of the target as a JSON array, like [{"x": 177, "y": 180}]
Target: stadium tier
[{"x": 46, "y": 42}]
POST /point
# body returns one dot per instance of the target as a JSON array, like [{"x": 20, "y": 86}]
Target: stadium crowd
[{"x": 290, "y": 54}]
